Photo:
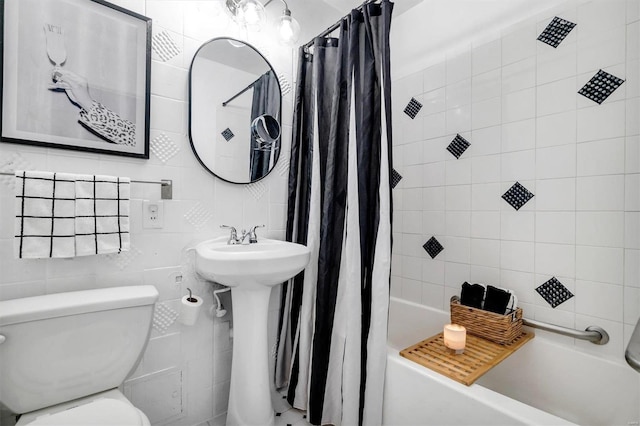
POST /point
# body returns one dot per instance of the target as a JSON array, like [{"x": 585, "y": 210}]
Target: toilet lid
[{"x": 102, "y": 412}]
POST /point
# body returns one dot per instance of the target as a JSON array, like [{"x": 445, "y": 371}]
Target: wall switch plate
[{"x": 152, "y": 214}]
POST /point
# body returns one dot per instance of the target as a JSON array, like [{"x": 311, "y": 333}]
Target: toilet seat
[{"x": 99, "y": 412}]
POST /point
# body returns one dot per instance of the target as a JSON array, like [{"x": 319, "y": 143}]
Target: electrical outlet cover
[{"x": 152, "y": 214}]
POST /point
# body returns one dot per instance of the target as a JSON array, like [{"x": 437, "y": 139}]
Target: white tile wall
[
  {"x": 193, "y": 357},
  {"x": 581, "y": 160}
]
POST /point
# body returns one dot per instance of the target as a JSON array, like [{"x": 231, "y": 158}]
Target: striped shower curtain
[{"x": 333, "y": 319}]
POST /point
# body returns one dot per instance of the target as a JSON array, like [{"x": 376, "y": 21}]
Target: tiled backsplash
[
  {"x": 547, "y": 191},
  {"x": 184, "y": 376}
]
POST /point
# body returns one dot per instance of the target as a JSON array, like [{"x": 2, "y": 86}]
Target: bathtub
[{"x": 543, "y": 383}]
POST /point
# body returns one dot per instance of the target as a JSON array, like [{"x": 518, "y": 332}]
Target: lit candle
[{"x": 455, "y": 337}]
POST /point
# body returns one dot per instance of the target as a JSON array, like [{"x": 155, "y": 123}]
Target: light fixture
[
  {"x": 249, "y": 13},
  {"x": 287, "y": 27}
]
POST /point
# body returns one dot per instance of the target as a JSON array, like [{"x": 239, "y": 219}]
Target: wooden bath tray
[{"x": 480, "y": 355}]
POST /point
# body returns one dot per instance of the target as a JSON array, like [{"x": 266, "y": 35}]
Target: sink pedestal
[
  {"x": 250, "y": 270},
  {"x": 250, "y": 392}
]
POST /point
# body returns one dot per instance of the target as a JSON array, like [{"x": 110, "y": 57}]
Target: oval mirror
[{"x": 234, "y": 111}]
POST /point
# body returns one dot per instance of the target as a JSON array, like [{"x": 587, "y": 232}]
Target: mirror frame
[{"x": 249, "y": 124}]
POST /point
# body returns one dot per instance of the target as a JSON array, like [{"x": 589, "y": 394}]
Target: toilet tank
[{"x": 64, "y": 346}]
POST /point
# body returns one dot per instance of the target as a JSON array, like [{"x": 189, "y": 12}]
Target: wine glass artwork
[{"x": 56, "y": 49}]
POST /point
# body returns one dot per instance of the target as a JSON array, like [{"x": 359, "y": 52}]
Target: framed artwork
[{"x": 75, "y": 75}]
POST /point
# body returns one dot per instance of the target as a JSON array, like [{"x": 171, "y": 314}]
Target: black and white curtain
[{"x": 333, "y": 319}]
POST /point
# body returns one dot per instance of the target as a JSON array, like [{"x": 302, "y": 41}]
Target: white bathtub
[{"x": 543, "y": 383}]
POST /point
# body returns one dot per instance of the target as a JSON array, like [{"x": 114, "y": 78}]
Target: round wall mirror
[{"x": 234, "y": 111}]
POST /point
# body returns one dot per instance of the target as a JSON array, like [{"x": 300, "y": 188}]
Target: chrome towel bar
[{"x": 166, "y": 189}]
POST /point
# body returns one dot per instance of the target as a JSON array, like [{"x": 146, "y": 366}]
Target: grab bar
[
  {"x": 594, "y": 334},
  {"x": 632, "y": 354}
]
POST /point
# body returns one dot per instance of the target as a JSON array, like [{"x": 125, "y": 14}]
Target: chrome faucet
[
  {"x": 245, "y": 238},
  {"x": 253, "y": 238},
  {"x": 233, "y": 238}
]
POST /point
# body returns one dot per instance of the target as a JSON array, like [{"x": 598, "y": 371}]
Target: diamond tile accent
[
  {"x": 395, "y": 178},
  {"x": 413, "y": 108},
  {"x": 257, "y": 189},
  {"x": 556, "y": 31},
  {"x": 227, "y": 134},
  {"x": 164, "y": 46},
  {"x": 283, "y": 166},
  {"x": 11, "y": 163},
  {"x": 554, "y": 292},
  {"x": 198, "y": 216},
  {"x": 600, "y": 86},
  {"x": 433, "y": 247},
  {"x": 285, "y": 86},
  {"x": 163, "y": 147},
  {"x": 458, "y": 146},
  {"x": 517, "y": 196},
  {"x": 163, "y": 317},
  {"x": 125, "y": 258}
]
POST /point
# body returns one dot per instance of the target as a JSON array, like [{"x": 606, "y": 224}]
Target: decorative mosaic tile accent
[
  {"x": 227, "y": 134},
  {"x": 433, "y": 247},
  {"x": 164, "y": 46},
  {"x": 413, "y": 108},
  {"x": 556, "y": 31},
  {"x": 285, "y": 86},
  {"x": 257, "y": 189},
  {"x": 163, "y": 147},
  {"x": 395, "y": 178},
  {"x": 163, "y": 317},
  {"x": 600, "y": 86},
  {"x": 283, "y": 166},
  {"x": 10, "y": 164},
  {"x": 458, "y": 146},
  {"x": 198, "y": 215},
  {"x": 124, "y": 259},
  {"x": 554, "y": 292},
  {"x": 517, "y": 196}
]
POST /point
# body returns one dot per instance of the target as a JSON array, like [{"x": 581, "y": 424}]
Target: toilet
[{"x": 63, "y": 356}]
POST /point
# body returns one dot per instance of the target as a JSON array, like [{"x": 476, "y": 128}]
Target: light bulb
[
  {"x": 288, "y": 29},
  {"x": 251, "y": 13}
]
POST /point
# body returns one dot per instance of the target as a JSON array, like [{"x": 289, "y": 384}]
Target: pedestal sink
[{"x": 251, "y": 271}]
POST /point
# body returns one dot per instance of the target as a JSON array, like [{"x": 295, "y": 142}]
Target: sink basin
[
  {"x": 251, "y": 271},
  {"x": 265, "y": 263}
]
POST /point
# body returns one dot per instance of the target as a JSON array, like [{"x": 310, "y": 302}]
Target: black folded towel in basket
[
  {"x": 472, "y": 295},
  {"x": 496, "y": 300}
]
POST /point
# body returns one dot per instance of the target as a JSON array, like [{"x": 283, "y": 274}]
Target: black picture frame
[{"x": 75, "y": 75}]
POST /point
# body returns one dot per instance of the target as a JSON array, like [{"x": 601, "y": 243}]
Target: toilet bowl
[
  {"x": 64, "y": 355},
  {"x": 102, "y": 409}
]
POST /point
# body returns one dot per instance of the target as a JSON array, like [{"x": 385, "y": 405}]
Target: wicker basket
[{"x": 502, "y": 329}]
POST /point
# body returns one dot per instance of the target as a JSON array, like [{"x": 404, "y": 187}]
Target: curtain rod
[
  {"x": 224, "y": 104},
  {"x": 335, "y": 26}
]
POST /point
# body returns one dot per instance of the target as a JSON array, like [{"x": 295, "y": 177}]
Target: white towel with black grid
[
  {"x": 44, "y": 214},
  {"x": 67, "y": 215},
  {"x": 102, "y": 214}
]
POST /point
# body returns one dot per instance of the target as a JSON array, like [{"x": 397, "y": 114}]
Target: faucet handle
[
  {"x": 233, "y": 238},
  {"x": 253, "y": 238}
]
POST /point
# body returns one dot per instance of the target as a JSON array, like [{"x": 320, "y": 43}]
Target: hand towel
[
  {"x": 472, "y": 295},
  {"x": 44, "y": 215},
  {"x": 102, "y": 214},
  {"x": 496, "y": 300}
]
